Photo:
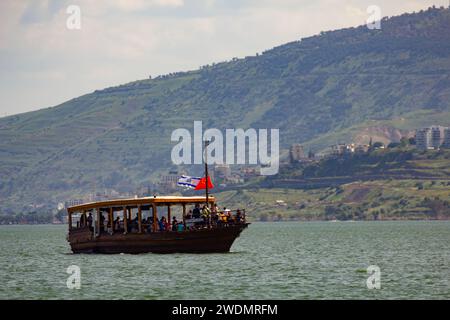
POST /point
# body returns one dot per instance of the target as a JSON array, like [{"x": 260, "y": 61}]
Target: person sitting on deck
[
  {"x": 89, "y": 220},
  {"x": 150, "y": 224},
  {"x": 230, "y": 218},
  {"x": 149, "y": 228},
  {"x": 189, "y": 215},
  {"x": 149, "y": 220},
  {"x": 226, "y": 215},
  {"x": 167, "y": 224},
  {"x": 162, "y": 224},
  {"x": 222, "y": 219},
  {"x": 196, "y": 213},
  {"x": 238, "y": 216},
  {"x": 174, "y": 224}
]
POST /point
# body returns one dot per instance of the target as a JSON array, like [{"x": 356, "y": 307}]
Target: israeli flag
[{"x": 188, "y": 182}]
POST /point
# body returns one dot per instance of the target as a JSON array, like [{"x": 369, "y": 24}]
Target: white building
[
  {"x": 431, "y": 138},
  {"x": 423, "y": 138},
  {"x": 437, "y": 136},
  {"x": 446, "y": 140}
]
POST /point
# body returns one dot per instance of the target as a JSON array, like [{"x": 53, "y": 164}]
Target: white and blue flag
[{"x": 188, "y": 182}]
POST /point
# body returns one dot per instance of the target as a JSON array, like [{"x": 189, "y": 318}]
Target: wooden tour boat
[{"x": 106, "y": 236}]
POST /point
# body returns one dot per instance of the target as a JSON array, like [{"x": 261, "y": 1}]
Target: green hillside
[
  {"x": 315, "y": 90},
  {"x": 397, "y": 182},
  {"x": 399, "y": 161},
  {"x": 369, "y": 200}
]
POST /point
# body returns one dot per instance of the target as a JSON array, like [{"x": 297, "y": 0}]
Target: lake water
[{"x": 298, "y": 260}]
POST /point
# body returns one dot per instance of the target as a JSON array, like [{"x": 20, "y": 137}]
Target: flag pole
[{"x": 206, "y": 173}]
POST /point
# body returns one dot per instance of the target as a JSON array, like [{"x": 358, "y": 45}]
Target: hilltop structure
[
  {"x": 296, "y": 153},
  {"x": 341, "y": 149},
  {"x": 433, "y": 137},
  {"x": 446, "y": 143},
  {"x": 222, "y": 171}
]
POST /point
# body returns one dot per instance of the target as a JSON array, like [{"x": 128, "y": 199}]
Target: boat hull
[{"x": 216, "y": 240}]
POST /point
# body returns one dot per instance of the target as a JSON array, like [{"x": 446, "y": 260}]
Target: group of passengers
[
  {"x": 214, "y": 217},
  {"x": 202, "y": 218},
  {"x": 175, "y": 225}
]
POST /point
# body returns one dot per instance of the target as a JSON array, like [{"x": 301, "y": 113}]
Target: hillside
[
  {"x": 400, "y": 161},
  {"x": 369, "y": 200},
  {"x": 315, "y": 90}
]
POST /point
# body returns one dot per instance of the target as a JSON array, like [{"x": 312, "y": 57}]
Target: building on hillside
[
  {"x": 350, "y": 148},
  {"x": 437, "y": 136},
  {"x": 338, "y": 149},
  {"x": 296, "y": 153},
  {"x": 248, "y": 172},
  {"x": 342, "y": 149},
  {"x": 423, "y": 138},
  {"x": 169, "y": 181},
  {"x": 432, "y": 137},
  {"x": 73, "y": 202},
  {"x": 222, "y": 171},
  {"x": 234, "y": 179},
  {"x": 361, "y": 148},
  {"x": 446, "y": 140}
]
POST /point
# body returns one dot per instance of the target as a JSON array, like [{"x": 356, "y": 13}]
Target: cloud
[
  {"x": 126, "y": 40},
  {"x": 135, "y": 5},
  {"x": 39, "y": 11}
]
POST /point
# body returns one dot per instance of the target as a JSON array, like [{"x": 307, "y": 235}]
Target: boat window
[{"x": 76, "y": 217}]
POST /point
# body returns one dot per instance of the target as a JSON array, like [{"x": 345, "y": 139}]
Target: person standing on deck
[
  {"x": 174, "y": 224},
  {"x": 196, "y": 212},
  {"x": 83, "y": 220},
  {"x": 117, "y": 224},
  {"x": 102, "y": 222},
  {"x": 214, "y": 215},
  {"x": 89, "y": 220},
  {"x": 206, "y": 214}
]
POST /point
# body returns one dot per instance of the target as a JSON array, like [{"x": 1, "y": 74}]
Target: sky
[{"x": 45, "y": 59}]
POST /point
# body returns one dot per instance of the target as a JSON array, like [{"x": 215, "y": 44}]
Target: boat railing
[
  {"x": 231, "y": 216},
  {"x": 218, "y": 219},
  {"x": 221, "y": 219}
]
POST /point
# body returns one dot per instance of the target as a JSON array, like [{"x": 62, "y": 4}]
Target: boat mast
[{"x": 206, "y": 173}]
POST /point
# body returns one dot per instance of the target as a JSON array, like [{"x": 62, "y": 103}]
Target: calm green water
[{"x": 314, "y": 260}]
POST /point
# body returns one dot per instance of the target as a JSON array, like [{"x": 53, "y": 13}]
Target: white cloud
[
  {"x": 136, "y": 5},
  {"x": 126, "y": 40}
]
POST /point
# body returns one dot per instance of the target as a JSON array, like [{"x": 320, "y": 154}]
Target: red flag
[{"x": 202, "y": 184}]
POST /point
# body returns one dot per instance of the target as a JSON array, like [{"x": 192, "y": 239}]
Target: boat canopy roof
[{"x": 134, "y": 202}]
